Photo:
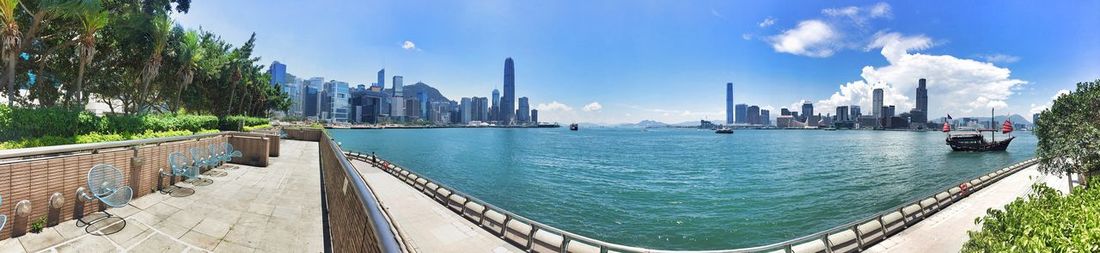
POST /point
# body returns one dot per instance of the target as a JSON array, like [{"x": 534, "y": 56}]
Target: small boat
[
  {"x": 723, "y": 130},
  {"x": 972, "y": 139},
  {"x": 574, "y": 127}
]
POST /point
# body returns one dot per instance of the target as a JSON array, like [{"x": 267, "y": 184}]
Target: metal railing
[
  {"x": 362, "y": 228},
  {"x": 899, "y": 217}
]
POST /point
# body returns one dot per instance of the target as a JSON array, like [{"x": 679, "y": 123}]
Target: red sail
[
  {"x": 946, "y": 127},
  {"x": 1006, "y": 127}
]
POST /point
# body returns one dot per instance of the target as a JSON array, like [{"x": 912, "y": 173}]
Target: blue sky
[{"x": 625, "y": 61}]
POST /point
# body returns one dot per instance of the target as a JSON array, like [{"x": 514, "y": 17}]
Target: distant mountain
[
  {"x": 644, "y": 124},
  {"x": 693, "y": 123},
  {"x": 410, "y": 91}
]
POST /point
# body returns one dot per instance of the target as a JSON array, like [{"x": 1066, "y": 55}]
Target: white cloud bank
[
  {"x": 408, "y": 45},
  {"x": 767, "y": 22},
  {"x": 825, "y": 36},
  {"x": 553, "y": 106},
  {"x": 1039, "y": 108},
  {"x": 594, "y": 106},
  {"x": 958, "y": 86}
]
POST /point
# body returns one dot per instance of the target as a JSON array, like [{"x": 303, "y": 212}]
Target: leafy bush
[
  {"x": 26, "y": 123},
  {"x": 236, "y": 123},
  {"x": 252, "y": 128},
  {"x": 1045, "y": 222},
  {"x": 94, "y": 138},
  {"x": 97, "y": 137}
]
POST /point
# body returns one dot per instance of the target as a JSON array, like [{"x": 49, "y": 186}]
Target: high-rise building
[
  {"x": 807, "y": 110},
  {"x": 741, "y": 116},
  {"x": 729, "y": 103},
  {"x": 397, "y": 102},
  {"x": 381, "y": 78},
  {"x": 412, "y": 109},
  {"x": 854, "y": 112},
  {"x": 494, "y": 111},
  {"x": 784, "y": 112},
  {"x": 842, "y": 114},
  {"x": 278, "y": 73},
  {"x": 524, "y": 111},
  {"x": 922, "y": 103},
  {"x": 508, "y": 104},
  {"x": 535, "y": 116},
  {"x": 483, "y": 109},
  {"x": 310, "y": 102},
  {"x": 765, "y": 117},
  {"x": 888, "y": 111},
  {"x": 425, "y": 105},
  {"x": 753, "y": 115},
  {"x": 876, "y": 103},
  {"x": 467, "y": 106},
  {"x": 338, "y": 95}
]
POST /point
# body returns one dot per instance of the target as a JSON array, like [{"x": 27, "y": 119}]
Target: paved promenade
[
  {"x": 426, "y": 225},
  {"x": 945, "y": 231},
  {"x": 248, "y": 209}
]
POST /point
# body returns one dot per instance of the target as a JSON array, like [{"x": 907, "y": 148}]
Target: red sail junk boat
[{"x": 973, "y": 140}]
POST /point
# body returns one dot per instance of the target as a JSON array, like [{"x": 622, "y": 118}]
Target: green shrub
[
  {"x": 1046, "y": 221},
  {"x": 97, "y": 137},
  {"x": 29, "y": 123},
  {"x": 37, "y": 142},
  {"x": 236, "y": 123},
  {"x": 252, "y": 128}
]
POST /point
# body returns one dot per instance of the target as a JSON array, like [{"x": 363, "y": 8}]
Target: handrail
[
  {"x": 382, "y": 227},
  {"x": 46, "y": 150},
  {"x": 783, "y": 245}
]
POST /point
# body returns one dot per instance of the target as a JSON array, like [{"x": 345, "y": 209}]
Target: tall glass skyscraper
[
  {"x": 922, "y": 103},
  {"x": 742, "y": 114},
  {"x": 524, "y": 111},
  {"x": 807, "y": 111},
  {"x": 876, "y": 103},
  {"x": 397, "y": 102},
  {"x": 729, "y": 103},
  {"x": 494, "y": 111},
  {"x": 278, "y": 73},
  {"x": 508, "y": 104},
  {"x": 381, "y": 78}
]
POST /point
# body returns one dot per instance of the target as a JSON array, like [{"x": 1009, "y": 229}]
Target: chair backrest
[
  {"x": 106, "y": 184},
  {"x": 201, "y": 156},
  {"x": 230, "y": 152},
  {"x": 182, "y": 165},
  {"x": 217, "y": 152}
]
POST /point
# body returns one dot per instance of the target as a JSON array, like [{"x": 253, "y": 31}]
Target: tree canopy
[
  {"x": 1069, "y": 132},
  {"x": 129, "y": 55}
]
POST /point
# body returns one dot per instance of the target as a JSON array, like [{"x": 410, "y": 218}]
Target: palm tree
[
  {"x": 191, "y": 53},
  {"x": 11, "y": 37},
  {"x": 93, "y": 18},
  {"x": 162, "y": 25}
]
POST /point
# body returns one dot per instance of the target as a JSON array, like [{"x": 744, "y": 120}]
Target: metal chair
[
  {"x": 199, "y": 160},
  {"x": 220, "y": 153},
  {"x": 105, "y": 183},
  {"x": 3, "y": 218},
  {"x": 182, "y": 166}
]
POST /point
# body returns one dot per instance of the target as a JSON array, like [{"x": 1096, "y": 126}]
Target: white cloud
[
  {"x": 594, "y": 106},
  {"x": 553, "y": 106},
  {"x": 813, "y": 38},
  {"x": 860, "y": 15},
  {"x": 408, "y": 45},
  {"x": 957, "y": 86},
  {"x": 746, "y": 36},
  {"x": 1039, "y": 108},
  {"x": 767, "y": 22},
  {"x": 999, "y": 58}
]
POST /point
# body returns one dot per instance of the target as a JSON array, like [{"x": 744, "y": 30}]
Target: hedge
[
  {"x": 94, "y": 137},
  {"x": 237, "y": 123},
  {"x": 26, "y": 123},
  {"x": 1046, "y": 221}
]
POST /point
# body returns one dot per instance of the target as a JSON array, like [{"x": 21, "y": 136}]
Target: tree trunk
[
  {"x": 12, "y": 92},
  {"x": 80, "y": 83}
]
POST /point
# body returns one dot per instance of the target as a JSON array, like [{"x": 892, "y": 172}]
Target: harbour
[{"x": 684, "y": 188}]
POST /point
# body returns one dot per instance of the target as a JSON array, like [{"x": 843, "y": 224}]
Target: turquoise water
[{"x": 687, "y": 188}]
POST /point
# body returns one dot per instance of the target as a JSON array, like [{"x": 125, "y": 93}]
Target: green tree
[
  {"x": 11, "y": 36},
  {"x": 92, "y": 18},
  {"x": 190, "y": 55},
  {"x": 161, "y": 25},
  {"x": 1069, "y": 133}
]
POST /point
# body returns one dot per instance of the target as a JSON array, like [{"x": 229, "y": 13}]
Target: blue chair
[
  {"x": 202, "y": 158},
  {"x": 105, "y": 182},
  {"x": 3, "y": 218}
]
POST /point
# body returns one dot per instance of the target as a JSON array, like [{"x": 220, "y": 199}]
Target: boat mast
[{"x": 992, "y": 113}]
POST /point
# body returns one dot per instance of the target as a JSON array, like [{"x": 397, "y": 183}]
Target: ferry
[
  {"x": 723, "y": 130},
  {"x": 574, "y": 127}
]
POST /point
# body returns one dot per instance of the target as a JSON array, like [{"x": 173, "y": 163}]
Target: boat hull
[{"x": 981, "y": 146}]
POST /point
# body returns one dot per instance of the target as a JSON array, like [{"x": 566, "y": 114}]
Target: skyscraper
[
  {"x": 765, "y": 117},
  {"x": 922, "y": 103},
  {"x": 842, "y": 114},
  {"x": 397, "y": 102},
  {"x": 854, "y": 112},
  {"x": 753, "y": 115},
  {"x": 508, "y": 104},
  {"x": 876, "y": 103},
  {"x": 483, "y": 109},
  {"x": 494, "y": 111},
  {"x": 535, "y": 116},
  {"x": 278, "y": 73},
  {"x": 741, "y": 116},
  {"x": 381, "y": 78},
  {"x": 729, "y": 103},
  {"x": 807, "y": 111},
  {"x": 424, "y": 105},
  {"x": 524, "y": 111},
  {"x": 784, "y": 112},
  {"x": 467, "y": 108}
]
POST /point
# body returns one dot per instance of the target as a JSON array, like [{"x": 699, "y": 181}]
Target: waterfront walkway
[
  {"x": 426, "y": 225},
  {"x": 945, "y": 231},
  {"x": 248, "y": 209}
]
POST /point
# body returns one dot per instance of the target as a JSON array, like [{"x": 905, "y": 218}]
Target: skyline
[{"x": 636, "y": 63}]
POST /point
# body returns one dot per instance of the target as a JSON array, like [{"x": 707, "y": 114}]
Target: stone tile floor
[{"x": 248, "y": 209}]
